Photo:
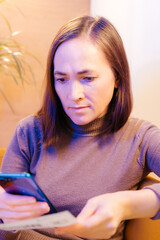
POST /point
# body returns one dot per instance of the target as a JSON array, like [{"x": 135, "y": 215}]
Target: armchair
[{"x": 2, "y": 151}]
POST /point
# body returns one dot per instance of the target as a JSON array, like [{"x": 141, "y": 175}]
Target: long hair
[{"x": 104, "y": 35}]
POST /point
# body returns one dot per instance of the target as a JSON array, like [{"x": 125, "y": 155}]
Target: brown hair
[{"x": 104, "y": 35}]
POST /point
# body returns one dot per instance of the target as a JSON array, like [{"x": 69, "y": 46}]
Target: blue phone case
[{"x": 23, "y": 184}]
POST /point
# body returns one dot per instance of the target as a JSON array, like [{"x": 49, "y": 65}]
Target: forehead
[{"x": 79, "y": 49}]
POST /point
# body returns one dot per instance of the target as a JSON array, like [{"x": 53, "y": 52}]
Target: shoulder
[
  {"x": 30, "y": 121},
  {"x": 139, "y": 127},
  {"x": 30, "y": 126},
  {"x": 137, "y": 124}
]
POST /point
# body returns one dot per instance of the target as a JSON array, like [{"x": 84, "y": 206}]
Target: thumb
[
  {"x": 89, "y": 209},
  {"x": 2, "y": 190}
]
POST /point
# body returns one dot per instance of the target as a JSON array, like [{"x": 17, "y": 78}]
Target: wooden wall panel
[{"x": 38, "y": 24}]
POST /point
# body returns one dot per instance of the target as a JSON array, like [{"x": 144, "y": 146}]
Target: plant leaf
[
  {"x": 18, "y": 67},
  {"x": 6, "y": 99},
  {"x": 10, "y": 73},
  {"x": 7, "y": 22}
]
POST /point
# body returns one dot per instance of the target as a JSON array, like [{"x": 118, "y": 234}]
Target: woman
[{"x": 82, "y": 143}]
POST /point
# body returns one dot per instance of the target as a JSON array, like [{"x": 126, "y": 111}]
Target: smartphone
[{"x": 24, "y": 184}]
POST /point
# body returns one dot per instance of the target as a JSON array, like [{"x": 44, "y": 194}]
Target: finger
[
  {"x": 99, "y": 217},
  {"x": 1, "y": 190},
  {"x": 12, "y": 199},
  {"x": 89, "y": 209},
  {"x": 94, "y": 221},
  {"x": 7, "y": 220},
  {"x": 34, "y": 211},
  {"x": 38, "y": 206},
  {"x": 25, "y": 208}
]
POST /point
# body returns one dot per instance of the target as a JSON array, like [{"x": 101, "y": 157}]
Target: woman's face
[{"x": 84, "y": 80}]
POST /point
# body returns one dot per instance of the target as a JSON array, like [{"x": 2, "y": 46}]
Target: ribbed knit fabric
[
  {"x": 85, "y": 165},
  {"x": 24, "y": 235}
]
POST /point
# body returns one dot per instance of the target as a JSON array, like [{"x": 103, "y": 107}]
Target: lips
[{"x": 78, "y": 107}]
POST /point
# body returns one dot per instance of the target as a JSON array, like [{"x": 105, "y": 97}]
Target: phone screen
[{"x": 23, "y": 184}]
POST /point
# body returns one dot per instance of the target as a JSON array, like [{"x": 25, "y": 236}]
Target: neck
[{"x": 95, "y": 127}]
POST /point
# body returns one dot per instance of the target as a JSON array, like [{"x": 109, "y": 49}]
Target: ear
[{"x": 116, "y": 84}]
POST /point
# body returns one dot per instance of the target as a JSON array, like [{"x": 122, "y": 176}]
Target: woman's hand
[
  {"x": 18, "y": 207},
  {"x": 99, "y": 219},
  {"x": 102, "y": 215}
]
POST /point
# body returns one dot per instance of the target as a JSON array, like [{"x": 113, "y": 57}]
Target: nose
[{"x": 76, "y": 91}]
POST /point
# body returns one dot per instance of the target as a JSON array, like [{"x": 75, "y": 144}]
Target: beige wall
[
  {"x": 138, "y": 23},
  {"x": 39, "y": 22}
]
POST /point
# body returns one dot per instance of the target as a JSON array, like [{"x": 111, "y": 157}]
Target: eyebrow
[
  {"x": 59, "y": 73},
  {"x": 79, "y": 73}
]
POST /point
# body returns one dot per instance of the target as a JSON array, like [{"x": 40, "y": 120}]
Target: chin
[{"x": 81, "y": 122}]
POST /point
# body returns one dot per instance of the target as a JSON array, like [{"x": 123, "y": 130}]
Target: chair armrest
[
  {"x": 142, "y": 229},
  {"x": 2, "y": 151}
]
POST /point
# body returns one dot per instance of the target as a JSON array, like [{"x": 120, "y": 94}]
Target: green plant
[{"x": 13, "y": 58}]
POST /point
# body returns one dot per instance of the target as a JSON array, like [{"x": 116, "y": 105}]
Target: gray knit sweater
[{"x": 84, "y": 165}]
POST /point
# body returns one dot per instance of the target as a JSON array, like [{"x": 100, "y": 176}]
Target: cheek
[
  {"x": 59, "y": 91},
  {"x": 104, "y": 95}
]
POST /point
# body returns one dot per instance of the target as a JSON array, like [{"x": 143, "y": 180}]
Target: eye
[
  {"x": 60, "y": 79},
  {"x": 89, "y": 78}
]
